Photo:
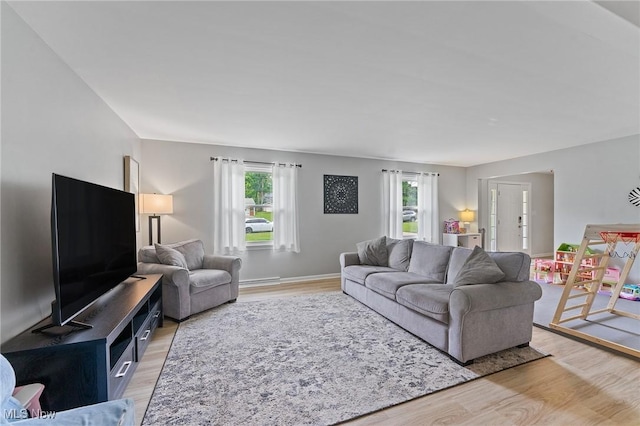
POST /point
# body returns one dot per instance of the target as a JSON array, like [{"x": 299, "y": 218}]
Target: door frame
[{"x": 492, "y": 185}]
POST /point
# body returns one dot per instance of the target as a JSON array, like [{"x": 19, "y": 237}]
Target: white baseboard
[
  {"x": 259, "y": 282},
  {"x": 542, "y": 255},
  {"x": 310, "y": 278}
]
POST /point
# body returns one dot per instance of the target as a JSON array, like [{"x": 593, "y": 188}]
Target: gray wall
[
  {"x": 51, "y": 122},
  {"x": 185, "y": 171},
  {"x": 591, "y": 185}
]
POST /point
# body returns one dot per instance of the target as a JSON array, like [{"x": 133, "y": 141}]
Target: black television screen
[{"x": 93, "y": 243}]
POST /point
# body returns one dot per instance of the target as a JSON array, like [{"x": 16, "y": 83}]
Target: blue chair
[{"x": 27, "y": 411}]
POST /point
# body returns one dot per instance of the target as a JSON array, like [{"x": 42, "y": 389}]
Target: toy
[
  {"x": 544, "y": 270},
  {"x": 451, "y": 226},
  {"x": 609, "y": 280},
  {"x": 606, "y": 288},
  {"x": 611, "y": 275},
  {"x": 630, "y": 291}
]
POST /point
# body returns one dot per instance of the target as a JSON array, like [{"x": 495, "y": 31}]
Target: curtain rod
[
  {"x": 253, "y": 162},
  {"x": 411, "y": 173}
]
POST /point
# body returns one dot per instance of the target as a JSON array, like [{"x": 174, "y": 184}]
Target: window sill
[{"x": 262, "y": 245}]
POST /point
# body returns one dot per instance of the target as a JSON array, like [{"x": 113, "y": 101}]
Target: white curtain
[
  {"x": 428, "y": 219},
  {"x": 392, "y": 203},
  {"x": 285, "y": 208},
  {"x": 228, "y": 206}
]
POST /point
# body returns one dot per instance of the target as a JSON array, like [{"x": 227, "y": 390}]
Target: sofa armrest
[
  {"x": 231, "y": 264},
  {"x": 349, "y": 258},
  {"x": 110, "y": 413},
  {"x": 486, "y": 297},
  {"x": 171, "y": 275}
]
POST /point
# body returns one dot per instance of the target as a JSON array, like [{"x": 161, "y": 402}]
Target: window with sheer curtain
[
  {"x": 228, "y": 206},
  {"x": 285, "y": 208},
  {"x": 410, "y": 205},
  {"x": 266, "y": 195},
  {"x": 258, "y": 197}
]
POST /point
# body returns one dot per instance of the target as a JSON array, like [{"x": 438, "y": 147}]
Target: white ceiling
[{"x": 458, "y": 83}]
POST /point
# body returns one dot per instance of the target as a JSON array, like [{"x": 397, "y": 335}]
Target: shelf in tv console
[{"x": 85, "y": 366}]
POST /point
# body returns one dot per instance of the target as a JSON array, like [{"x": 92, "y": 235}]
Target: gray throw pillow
[
  {"x": 479, "y": 268},
  {"x": 193, "y": 252},
  {"x": 373, "y": 252},
  {"x": 169, "y": 256},
  {"x": 399, "y": 253}
]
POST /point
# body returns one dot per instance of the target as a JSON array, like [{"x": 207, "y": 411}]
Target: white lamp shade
[
  {"x": 467, "y": 215},
  {"x": 156, "y": 204}
]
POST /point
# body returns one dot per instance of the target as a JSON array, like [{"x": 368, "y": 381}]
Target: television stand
[
  {"x": 76, "y": 324},
  {"x": 94, "y": 365}
]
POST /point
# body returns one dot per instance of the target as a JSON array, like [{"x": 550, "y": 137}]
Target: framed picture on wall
[
  {"x": 340, "y": 194},
  {"x": 132, "y": 183}
]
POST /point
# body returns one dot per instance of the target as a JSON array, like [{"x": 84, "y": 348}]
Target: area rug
[{"x": 317, "y": 359}]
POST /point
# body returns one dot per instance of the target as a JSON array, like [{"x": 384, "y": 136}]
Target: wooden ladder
[
  {"x": 582, "y": 275},
  {"x": 576, "y": 279}
]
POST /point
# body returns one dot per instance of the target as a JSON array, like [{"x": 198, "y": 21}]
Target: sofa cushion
[
  {"x": 373, "y": 252},
  {"x": 399, "y": 253},
  {"x": 515, "y": 265},
  {"x": 203, "y": 279},
  {"x": 430, "y": 260},
  {"x": 388, "y": 283},
  {"x": 479, "y": 268},
  {"x": 170, "y": 256},
  {"x": 358, "y": 273},
  {"x": 458, "y": 256},
  {"x": 431, "y": 300}
]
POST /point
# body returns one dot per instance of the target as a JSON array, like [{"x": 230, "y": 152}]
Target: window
[
  {"x": 409, "y": 207},
  {"x": 258, "y": 200}
]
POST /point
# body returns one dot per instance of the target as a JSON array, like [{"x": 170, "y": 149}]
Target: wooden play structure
[{"x": 608, "y": 236}]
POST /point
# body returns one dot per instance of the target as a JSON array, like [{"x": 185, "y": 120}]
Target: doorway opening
[{"x": 516, "y": 213}]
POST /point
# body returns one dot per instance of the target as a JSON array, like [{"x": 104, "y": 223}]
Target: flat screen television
[{"x": 93, "y": 244}]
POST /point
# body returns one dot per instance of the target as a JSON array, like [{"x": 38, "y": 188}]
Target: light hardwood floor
[{"x": 578, "y": 385}]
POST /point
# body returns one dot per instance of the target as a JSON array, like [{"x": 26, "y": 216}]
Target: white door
[{"x": 509, "y": 217}]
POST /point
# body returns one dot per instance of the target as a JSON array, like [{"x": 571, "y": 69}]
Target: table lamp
[
  {"x": 155, "y": 205},
  {"x": 466, "y": 216}
]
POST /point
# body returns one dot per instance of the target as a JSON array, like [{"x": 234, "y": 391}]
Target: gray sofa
[
  {"x": 192, "y": 281},
  {"x": 433, "y": 292}
]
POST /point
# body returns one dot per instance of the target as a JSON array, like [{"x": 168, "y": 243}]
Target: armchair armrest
[
  {"x": 349, "y": 258},
  {"x": 231, "y": 264},
  {"x": 171, "y": 275},
  {"x": 486, "y": 297}
]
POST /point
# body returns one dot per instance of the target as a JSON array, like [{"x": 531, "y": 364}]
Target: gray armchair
[{"x": 192, "y": 281}]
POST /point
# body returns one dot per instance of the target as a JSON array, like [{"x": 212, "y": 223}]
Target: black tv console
[{"x": 82, "y": 367}]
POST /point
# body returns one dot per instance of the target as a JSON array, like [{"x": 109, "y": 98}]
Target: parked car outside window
[
  {"x": 257, "y": 224},
  {"x": 408, "y": 216}
]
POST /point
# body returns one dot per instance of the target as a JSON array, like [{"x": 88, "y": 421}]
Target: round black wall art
[
  {"x": 340, "y": 194},
  {"x": 634, "y": 196}
]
